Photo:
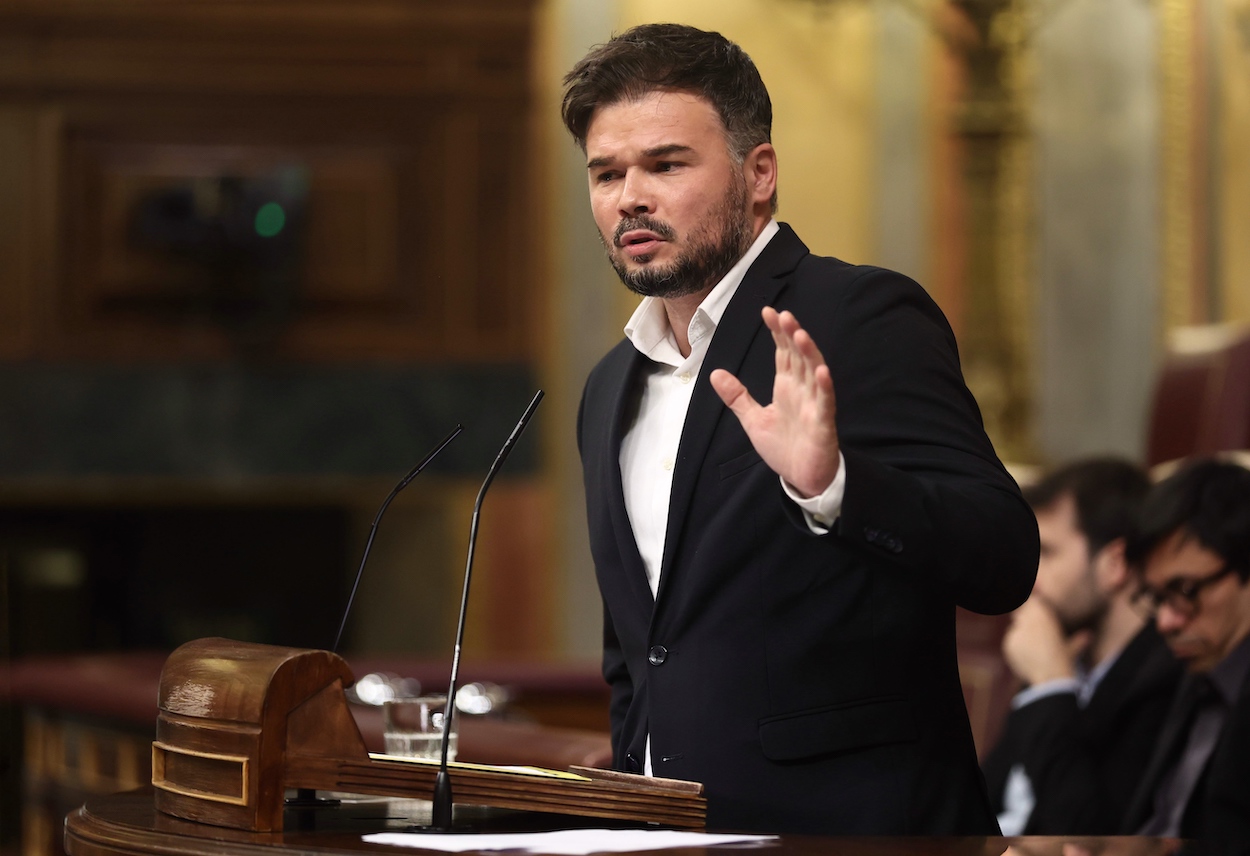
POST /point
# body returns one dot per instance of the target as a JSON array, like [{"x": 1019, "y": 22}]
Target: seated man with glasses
[{"x": 1191, "y": 549}]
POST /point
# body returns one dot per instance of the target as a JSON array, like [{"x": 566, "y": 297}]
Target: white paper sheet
[{"x": 565, "y": 842}]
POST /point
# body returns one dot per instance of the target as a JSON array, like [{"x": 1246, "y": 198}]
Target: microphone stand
[
  {"x": 373, "y": 530},
  {"x": 307, "y": 797},
  {"x": 440, "y": 814}
]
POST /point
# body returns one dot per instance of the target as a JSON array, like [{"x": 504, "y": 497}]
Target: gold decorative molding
[
  {"x": 1232, "y": 29},
  {"x": 992, "y": 125},
  {"x": 1241, "y": 19},
  {"x": 1176, "y": 67},
  {"x": 1016, "y": 226}
]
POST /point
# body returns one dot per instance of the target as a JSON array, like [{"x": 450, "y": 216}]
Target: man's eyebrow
[
  {"x": 655, "y": 152},
  {"x": 669, "y": 149}
]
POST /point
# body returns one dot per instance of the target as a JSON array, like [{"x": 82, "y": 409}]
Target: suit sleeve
[
  {"x": 1047, "y": 743},
  {"x": 1080, "y": 789},
  {"x": 924, "y": 488}
]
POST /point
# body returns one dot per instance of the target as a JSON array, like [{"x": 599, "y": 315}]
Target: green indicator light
[{"x": 270, "y": 219}]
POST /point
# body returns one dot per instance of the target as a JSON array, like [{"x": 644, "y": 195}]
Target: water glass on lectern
[{"x": 413, "y": 727}]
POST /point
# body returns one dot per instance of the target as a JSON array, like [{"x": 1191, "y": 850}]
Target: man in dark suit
[
  {"x": 1098, "y": 677},
  {"x": 779, "y": 584},
  {"x": 1192, "y": 547}
]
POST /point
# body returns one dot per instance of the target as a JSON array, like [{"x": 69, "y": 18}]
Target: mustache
[{"x": 642, "y": 221}]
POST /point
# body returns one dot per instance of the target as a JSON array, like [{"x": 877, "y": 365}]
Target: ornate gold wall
[
  {"x": 1233, "y": 47},
  {"x": 1205, "y": 95}
]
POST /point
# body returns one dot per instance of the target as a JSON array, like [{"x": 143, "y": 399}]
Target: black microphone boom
[
  {"x": 441, "y": 809},
  {"x": 403, "y": 483}
]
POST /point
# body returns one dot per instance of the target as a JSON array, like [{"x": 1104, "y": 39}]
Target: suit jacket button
[
  {"x": 657, "y": 655},
  {"x": 632, "y": 765}
]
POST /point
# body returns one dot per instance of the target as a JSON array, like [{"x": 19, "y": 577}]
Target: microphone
[
  {"x": 441, "y": 810},
  {"x": 403, "y": 483}
]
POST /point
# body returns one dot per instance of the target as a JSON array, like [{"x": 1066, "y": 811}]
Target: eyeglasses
[{"x": 1181, "y": 595}]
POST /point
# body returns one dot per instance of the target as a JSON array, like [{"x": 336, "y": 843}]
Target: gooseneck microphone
[
  {"x": 441, "y": 809},
  {"x": 403, "y": 483}
]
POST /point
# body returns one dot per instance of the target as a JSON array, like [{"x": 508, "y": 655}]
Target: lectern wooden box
[
  {"x": 228, "y": 711},
  {"x": 240, "y": 723}
]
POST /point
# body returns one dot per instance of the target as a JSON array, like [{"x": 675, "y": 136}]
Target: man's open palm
[{"x": 796, "y": 434}]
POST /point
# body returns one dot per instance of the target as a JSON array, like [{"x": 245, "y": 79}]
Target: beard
[
  {"x": 1083, "y": 609},
  {"x": 1073, "y": 623},
  {"x": 710, "y": 252}
]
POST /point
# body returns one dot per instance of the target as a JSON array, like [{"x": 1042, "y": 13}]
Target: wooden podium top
[
  {"x": 129, "y": 825},
  {"x": 240, "y": 724}
]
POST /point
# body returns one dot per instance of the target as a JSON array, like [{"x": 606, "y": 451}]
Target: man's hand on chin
[{"x": 1035, "y": 646}]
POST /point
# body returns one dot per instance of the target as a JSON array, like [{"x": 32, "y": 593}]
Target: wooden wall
[
  {"x": 408, "y": 119},
  {"x": 406, "y": 125}
]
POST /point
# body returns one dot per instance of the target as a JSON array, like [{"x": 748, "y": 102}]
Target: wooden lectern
[{"x": 240, "y": 723}]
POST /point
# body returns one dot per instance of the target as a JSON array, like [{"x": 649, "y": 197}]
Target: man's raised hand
[{"x": 796, "y": 434}]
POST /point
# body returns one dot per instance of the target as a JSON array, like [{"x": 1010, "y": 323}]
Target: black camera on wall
[{"x": 243, "y": 238}]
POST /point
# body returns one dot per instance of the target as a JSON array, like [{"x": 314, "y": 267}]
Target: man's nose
[
  {"x": 636, "y": 195},
  {"x": 1168, "y": 619}
]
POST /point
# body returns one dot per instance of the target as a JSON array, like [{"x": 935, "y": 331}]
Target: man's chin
[
  {"x": 1197, "y": 665},
  {"x": 650, "y": 280},
  {"x": 623, "y": 260},
  {"x": 1193, "y": 660},
  {"x": 1070, "y": 626}
]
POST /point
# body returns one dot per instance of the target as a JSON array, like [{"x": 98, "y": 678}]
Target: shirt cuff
[
  {"x": 822, "y": 510},
  {"x": 1045, "y": 689}
]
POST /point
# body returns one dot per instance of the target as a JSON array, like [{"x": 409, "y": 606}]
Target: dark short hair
[
  {"x": 1210, "y": 501},
  {"x": 678, "y": 58},
  {"x": 1107, "y": 493}
]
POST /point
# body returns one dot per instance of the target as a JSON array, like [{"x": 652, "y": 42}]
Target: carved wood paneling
[
  {"x": 408, "y": 120},
  {"x": 16, "y": 232}
]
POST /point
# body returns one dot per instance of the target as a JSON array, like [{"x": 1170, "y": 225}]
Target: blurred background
[{"x": 257, "y": 258}]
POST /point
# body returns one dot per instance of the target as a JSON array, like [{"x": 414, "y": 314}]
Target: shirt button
[
  {"x": 684, "y": 378},
  {"x": 657, "y": 655},
  {"x": 668, "y": 463}
]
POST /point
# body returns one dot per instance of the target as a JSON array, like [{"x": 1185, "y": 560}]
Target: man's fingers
[
  {"x": 733, "y": 393},
  {"x": 805, "y": 345},
  {"x": 782, "y": 342},
  {"x": 797, "y": 352}
]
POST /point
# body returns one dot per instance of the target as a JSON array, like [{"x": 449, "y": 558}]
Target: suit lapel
[
  {"x": 738, "y": 327},
  {"x": 625, "y": 378},
  {"x": 1120, "y": 686}
]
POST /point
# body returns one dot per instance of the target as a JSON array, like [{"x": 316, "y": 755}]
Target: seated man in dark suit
[
  {"x": 1192, "y": 549},
  {"x": 1098, "y": 677}
]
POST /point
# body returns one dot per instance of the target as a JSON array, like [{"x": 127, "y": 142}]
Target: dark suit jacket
[
  {"x": 811, "y": 682},
  {"x": 1219, "y": 810},
  {"x": 1085, "y": 763}
]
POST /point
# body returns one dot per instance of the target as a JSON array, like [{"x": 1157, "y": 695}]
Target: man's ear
[
  {"x": 759, "y": 168},
  {"x": 1111, "y": 567}
]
